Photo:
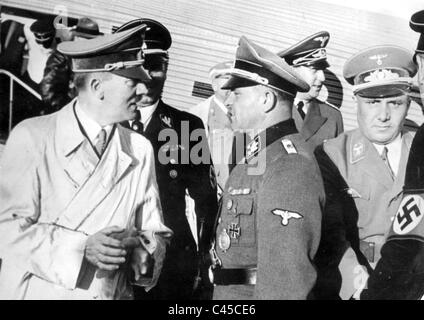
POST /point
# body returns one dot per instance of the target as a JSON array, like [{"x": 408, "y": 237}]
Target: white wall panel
[{"x": 206, "y": 32}]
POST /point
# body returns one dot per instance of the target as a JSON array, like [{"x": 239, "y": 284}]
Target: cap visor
[
  {"x": 320, "y": 65},
  {"x": 382, "y": 91},
  {"x": 136, "y": 73},
  {"x": 238, "y": 82},
  {"x": 87, "y": 35}
]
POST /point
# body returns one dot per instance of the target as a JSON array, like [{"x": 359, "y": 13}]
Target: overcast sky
[{"x": 398, "y": 8}]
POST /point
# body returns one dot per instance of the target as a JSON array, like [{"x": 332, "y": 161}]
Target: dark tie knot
[
  {"x": 300, "y": 109},
  {"x": 137, "y": 125}
]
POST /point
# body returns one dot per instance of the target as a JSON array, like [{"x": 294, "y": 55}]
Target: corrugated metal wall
[{"x": 206, "y": 32}]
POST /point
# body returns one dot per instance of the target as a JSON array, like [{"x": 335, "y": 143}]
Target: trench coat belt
[{"x": 226, "y": 277}]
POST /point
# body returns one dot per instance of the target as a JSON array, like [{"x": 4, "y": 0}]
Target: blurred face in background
[
  {"x": 150, "y": 92},
  {"x": 217, "y": 83},
  {"x": 314, "y": 77}
]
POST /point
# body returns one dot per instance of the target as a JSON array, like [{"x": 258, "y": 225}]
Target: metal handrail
[{"x": 13, "y": 78}]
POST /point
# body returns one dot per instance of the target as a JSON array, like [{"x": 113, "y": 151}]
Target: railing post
[{"x": 10, "y": 104}]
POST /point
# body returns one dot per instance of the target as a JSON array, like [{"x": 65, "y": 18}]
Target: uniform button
[
  {"x": 187, "y": 248},
  {"x": 173, "y": 161},
  {"x": 229, "y": 204},
  {"x": 173, "y": 174}
]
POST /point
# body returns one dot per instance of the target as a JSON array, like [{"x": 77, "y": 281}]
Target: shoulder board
[{"x": 288, "y": 146}]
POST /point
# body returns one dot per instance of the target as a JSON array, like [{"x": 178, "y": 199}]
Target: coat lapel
[
  {"x": 98, "y": 178},
  {"x": 155, "y": 124},
  {"x": 313, "y": 121},
  {"x": 76, "y": 155},
  {"x": 364, "y": 156}
]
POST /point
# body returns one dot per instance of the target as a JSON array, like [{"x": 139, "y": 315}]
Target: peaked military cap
[
  {"x": 43, "y": 30},
  {"x": 417, "y": 24},
  {"x": 157, "y": 38},
  {"x": 220, "y": 69},
  {"x": 119, "y": 53},
  {"x": 380, "y": 71},
  {"x": 255, "y": 65},
  {"x": 87, "y": 28},
  {"x": 308, "y": 52}
]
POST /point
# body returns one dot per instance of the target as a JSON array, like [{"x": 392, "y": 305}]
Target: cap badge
[
  {"x": 379, "y": 58},
  {"x": 224, "y": 241},
  {"x": 381, "y": 74},
  {"x": 253, "y": 147},
  {"x": 322, "y": 39},
  {"x": 286, "y": 215},
  {"x": 320, "y": 53}
]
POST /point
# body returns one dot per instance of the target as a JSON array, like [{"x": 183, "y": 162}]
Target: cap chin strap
[
  {"x": 219, "y": 73},
  {"x": 155, "y": 51},
  {"x": 113, "y": 66},
  {"x": 399, "y": 81},
  {"x": 250, "y": 76},
  {"x": 256, "y": 78},
  {"x": 316, "y": 55}
]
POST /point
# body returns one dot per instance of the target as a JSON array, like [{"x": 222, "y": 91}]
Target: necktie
[
  {"x": 386, "y": 161},
  {"x": 137, "y": 125},
  {"x": 101, "y": 142},
  {"x": 300, "y": 109}
]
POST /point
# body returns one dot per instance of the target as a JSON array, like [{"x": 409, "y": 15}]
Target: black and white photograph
[{"x": 212, "y": 153}]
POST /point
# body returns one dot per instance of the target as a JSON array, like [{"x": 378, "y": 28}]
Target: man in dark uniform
[
  {"x": 316, "y": 120},
  {"x": 169, "y": 130},
  {"x": 270, "y": 220},
  {"x": 400, "y": 271}
]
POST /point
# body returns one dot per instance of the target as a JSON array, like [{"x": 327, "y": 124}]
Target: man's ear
[
  {"x": 215, "y": 85},
  {"x": 269, "y": 100},
  {"x": 96, "y": 87}
]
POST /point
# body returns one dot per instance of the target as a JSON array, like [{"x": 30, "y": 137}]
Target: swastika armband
[{"x": 407, "y": 222}]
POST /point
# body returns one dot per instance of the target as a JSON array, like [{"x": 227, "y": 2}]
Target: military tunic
[
  {"x": 400, "y": 272},
  {"x": 323, "y": 121},
  {"x": 362, "y": 199},
  {"x": 271, "y": 217}
]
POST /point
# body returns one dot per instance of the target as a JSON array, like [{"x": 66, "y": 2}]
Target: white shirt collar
[
  {"x": 147, "y": 113},
  {"x": 394, "y": 152},
  {"x": 91, "y": 127}
]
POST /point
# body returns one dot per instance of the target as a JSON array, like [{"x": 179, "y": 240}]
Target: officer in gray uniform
[
  {"x": 316, "y": 120},
  {"x": 270, "y": 219},
  {"x": 364, "y": 170},
  {"x": 400, "y": 272}
]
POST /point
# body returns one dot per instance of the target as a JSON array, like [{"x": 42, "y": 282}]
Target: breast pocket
[{"x": 246, "y": 213}]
